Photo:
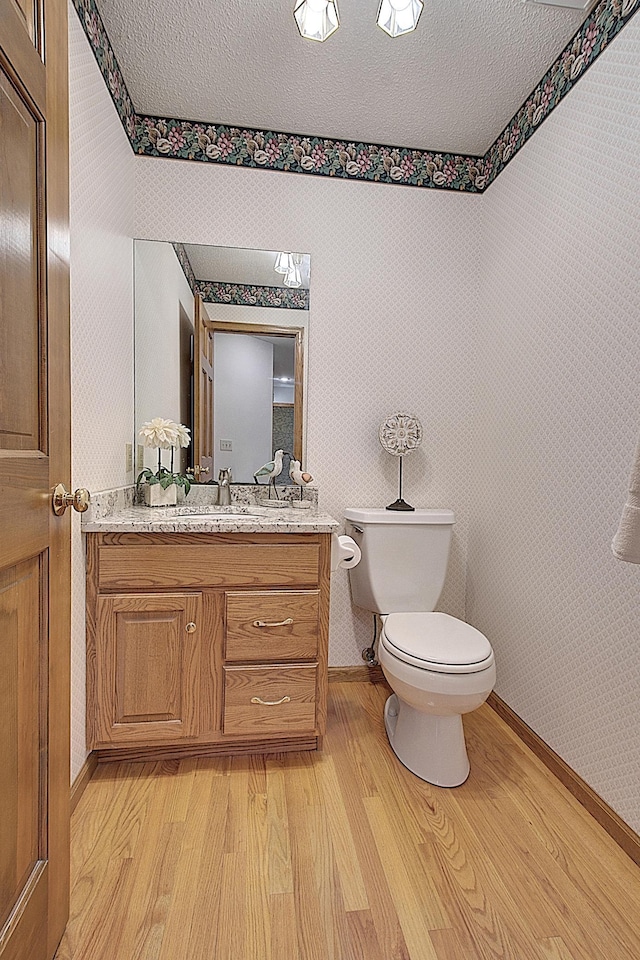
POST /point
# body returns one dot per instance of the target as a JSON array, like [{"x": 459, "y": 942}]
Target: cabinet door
[{"x": 147, "y": 668}]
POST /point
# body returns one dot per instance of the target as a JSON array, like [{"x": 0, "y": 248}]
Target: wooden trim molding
[
  {"x": 363, "y": 674},
  {"x": 618, "y": 830},
  {"x": 185, "y": 751},
  {"x": 85, "y": 773}
]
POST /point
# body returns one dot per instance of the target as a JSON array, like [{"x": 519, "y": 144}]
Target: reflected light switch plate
[{"x": 226, "y": 445}]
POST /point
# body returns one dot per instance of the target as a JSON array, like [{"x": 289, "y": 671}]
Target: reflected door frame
[
  {"x": 202, "y": 445},
  {"x": 269, "y": 330}
]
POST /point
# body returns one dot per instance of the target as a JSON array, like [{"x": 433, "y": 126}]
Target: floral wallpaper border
[
  {"x": 185, "y": 263},
  {"x": 317, "y": 156},
  {"x": 604, "y": 23},
  {"x": 94, "y": 28},
  {"x": 374, "y": 163},
  {"x": 250, "y": 295},
  {"x": 241, "y": 294}
]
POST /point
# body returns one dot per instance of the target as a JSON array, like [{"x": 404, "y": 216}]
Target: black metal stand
[{"x": 399, "y": 504}]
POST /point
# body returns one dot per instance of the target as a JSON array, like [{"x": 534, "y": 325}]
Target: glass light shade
[
  {"x": 397, "y": 17},
  {"x": 283, "y": 263},
  {"x": 293, "y": 278},
  {"x": 316, "y": 19}
]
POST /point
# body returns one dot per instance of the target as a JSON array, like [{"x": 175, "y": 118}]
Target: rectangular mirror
[{"x": 220, "y": 346}]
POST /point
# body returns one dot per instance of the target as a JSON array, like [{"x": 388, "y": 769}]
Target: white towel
[{"x": 626, "y": 543}]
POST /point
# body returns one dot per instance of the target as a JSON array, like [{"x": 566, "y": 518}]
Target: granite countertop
[{"x": 243, "y": 518}]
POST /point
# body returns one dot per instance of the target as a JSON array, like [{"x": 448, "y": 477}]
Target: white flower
[
  {"x": 183, "y": 435},
  {"x": 159, "y": 433}
]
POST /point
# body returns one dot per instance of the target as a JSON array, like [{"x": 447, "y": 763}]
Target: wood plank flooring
[{"x": 345, "y": 855}]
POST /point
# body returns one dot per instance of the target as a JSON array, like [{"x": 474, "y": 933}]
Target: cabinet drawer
[
  {"x": 272, "y": 626},
  {"x": 207, "y": 565},
  {"x": 263, "y": 700}
]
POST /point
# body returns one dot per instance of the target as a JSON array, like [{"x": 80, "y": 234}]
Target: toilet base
[{"x": 430, "y": 746}]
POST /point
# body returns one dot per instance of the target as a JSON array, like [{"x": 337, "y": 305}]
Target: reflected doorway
[{"x": 257, "y": 396}]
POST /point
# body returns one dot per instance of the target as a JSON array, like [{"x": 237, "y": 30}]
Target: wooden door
[
  {"x": 203, "y": 400},
  {"x": 147, "y": 668},
  {"x": 34, "y": 456}
]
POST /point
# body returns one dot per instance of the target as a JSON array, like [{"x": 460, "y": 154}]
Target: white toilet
[{"x": 438, "y": 667}]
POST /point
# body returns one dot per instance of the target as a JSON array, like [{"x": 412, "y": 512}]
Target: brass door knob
[
  {"x": 62, "y": 499},
  {"x": 197, "y": 471}
]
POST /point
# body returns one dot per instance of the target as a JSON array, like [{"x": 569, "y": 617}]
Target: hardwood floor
[{"x": 345, "y": 855}]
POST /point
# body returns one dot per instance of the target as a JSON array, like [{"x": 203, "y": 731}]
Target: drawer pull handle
[
  {"x": 270, "y": 703},
  {"x": 190, "y": 627},
  {"x": 280, "y": 623}
]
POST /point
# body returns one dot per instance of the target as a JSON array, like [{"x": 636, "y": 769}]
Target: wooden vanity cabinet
[{"x": 204, "y": 644}]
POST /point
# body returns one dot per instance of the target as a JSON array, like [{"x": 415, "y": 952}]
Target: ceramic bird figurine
[
  {"x": 299, "y": 476},
  {"x": 272, "y": 470}
]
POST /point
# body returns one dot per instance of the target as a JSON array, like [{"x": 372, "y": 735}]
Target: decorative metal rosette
[{"x": 400, "y": 434}]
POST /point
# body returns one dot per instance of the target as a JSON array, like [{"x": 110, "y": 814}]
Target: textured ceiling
[{"x": 451, "y": 86}]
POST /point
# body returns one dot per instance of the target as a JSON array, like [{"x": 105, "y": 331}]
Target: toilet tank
[{"x": 404, "y": 558}]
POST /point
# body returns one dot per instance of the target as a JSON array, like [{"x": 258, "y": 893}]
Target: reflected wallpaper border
[{"x": 241, "y": 294}]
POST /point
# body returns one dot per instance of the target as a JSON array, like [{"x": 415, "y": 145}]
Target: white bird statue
[
  {"x": 272, "y": 470},
  {"x": 299, "y": 476}
]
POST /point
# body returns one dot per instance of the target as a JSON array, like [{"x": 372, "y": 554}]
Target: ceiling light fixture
[
  {"x": 283, "y": 263},
  {"x": 293, "y": 277},
  {"x": 397, "y": 17},
  {"x": 316, "y": 19}
]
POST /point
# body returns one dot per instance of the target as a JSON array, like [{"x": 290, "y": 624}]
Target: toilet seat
[{"x": 437, "y": 642}]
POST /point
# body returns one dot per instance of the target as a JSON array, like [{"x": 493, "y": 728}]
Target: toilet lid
[{"x": 438, "y": 641}]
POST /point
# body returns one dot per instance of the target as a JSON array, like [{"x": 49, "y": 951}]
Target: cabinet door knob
[
  {"x": 190, "y": 627},
  {"x": 280, "y": 623},
  {"x": 270, "y": 703}
]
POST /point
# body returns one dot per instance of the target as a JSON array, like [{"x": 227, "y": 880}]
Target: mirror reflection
[{"x": 220, "y": 342}]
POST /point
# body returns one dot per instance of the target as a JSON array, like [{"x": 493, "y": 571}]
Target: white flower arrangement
[{"x": 164, "y": 435}]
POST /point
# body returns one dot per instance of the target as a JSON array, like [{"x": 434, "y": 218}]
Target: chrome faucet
[{"x": 224, "y": 487}]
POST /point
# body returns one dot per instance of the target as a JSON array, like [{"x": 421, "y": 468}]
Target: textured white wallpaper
[
  {"x": 101, "y": 214},
  {"x": 557, "y": 415},
  {"x": 394, "y": 302}
]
